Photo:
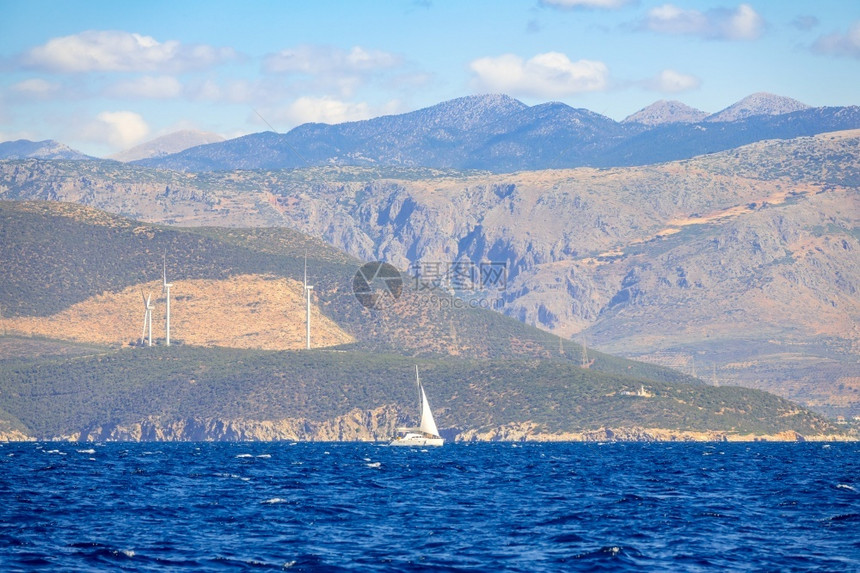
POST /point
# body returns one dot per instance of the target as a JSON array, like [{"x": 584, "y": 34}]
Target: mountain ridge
[
  {"x": 664, "y": 111},
  {"x": 500, "y": 134},
  {"x": 47, "y": 149},
  {"x": 761, "y": 103}
]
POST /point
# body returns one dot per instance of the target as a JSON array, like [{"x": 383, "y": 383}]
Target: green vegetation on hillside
[{"x": 61, "y": 396}]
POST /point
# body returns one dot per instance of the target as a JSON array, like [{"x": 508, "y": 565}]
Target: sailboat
[{"x": 426, "y": 434}]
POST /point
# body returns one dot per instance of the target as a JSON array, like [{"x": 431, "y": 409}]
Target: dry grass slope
[{"x": 246, "y": 311}]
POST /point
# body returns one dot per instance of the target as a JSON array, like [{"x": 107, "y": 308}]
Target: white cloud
[
  {"x": 235, "y": 91},
  {"x": 147, "y": 87},
  {"x": 551, "y": 74},
  {"x": 207, "y": 90},
  {"x": 323, "y": 110},
  {"x": 847, "y": 44},
  {"x": 119, "y": 129},
  {"x": 670, "y": 19},
  {"x": 263, "y": 91},
  {"x": 331, "y": 69},
  {"x": 742, "y": 23},
  {"x": 322, "y": 60},
  {"x": 118, "y": 51},
  {"x": 36, "y": 88},
  {"x": 671, "y": 81},
  {"x": 601, "y": 4}
]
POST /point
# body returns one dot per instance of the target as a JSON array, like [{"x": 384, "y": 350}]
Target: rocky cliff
[
  {"x": 379, "y": 425},
  {"x": 357, "y": 425}
]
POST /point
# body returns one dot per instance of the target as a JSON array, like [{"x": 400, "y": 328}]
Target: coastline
[{"x": 372, "y": 427}]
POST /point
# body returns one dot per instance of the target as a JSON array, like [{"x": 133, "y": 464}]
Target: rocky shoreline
[
  {"x": 379, "y": 425},
  {"x": 528, "y": 432}
]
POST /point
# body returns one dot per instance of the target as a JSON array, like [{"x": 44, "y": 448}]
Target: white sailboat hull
[{"x": 416, "y": 440}]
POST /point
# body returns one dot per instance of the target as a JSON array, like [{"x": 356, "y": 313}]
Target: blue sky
[{"x": 104, "y": 76}]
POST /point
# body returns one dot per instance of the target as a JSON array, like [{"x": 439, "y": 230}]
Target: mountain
[
  {"x": 71, "y": 366},
  {"x": 167, "y": 144},
  {"x": 738, "y": 266},
  {"x": 758, "y": 104},
  {"x": 47, "y": 149},
  {"x": 425, "y": 137},
  {"x": 663, "y": 112},
  {"x": 500, "y": 134},
  {"x": 670, "y": 142}
]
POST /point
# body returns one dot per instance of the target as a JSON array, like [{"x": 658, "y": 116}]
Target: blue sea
[{"x": 462, "y": 507}]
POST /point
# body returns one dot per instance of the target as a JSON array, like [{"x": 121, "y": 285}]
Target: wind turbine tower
[
  {"x": 147, "y": 318},
  {"x": 586, "y": 363},
  {"x": 307, "y": 291},
  {"x": 166, "y": 290},
  {"x": 584, "y": 352}
]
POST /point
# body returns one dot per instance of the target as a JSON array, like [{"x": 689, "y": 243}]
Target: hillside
[
  {"x": 500, "y": 134},
  {"x": 78, "y": 277},
  {"x": 68, "y": 263},
  {"x": 736, "y": 266},
  {"x": 246, "y": 311},
  {"x": 187, "y": 393}
]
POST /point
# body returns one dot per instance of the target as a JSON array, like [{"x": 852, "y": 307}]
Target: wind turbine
[
  {"x": 166, "y": 290},
  {"x": 307, "y": 292},
  {"x": 585, "y": 362},
  {"x": 147, "y": 318}
]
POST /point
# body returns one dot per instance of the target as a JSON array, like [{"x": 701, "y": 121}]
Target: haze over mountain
[
  {"x": 167, "y": 144},
  {"x": 47, "y": 149},
  {"x": 500, "y": 134}
]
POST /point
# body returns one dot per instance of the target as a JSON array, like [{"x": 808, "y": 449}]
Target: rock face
[
  {"x": 528, "y": 432},
  {"x": 379, "y": 425},
  {"x": 357, "y": 425},
  {"x": 15, "y": 436}
]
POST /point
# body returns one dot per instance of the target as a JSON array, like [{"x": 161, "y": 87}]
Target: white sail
[
  {"x": 426, "y": 434},
  {"x": 428, "y": 424}
]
